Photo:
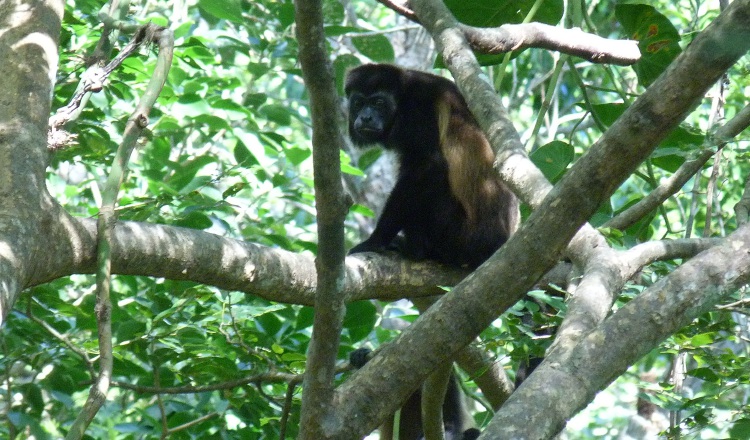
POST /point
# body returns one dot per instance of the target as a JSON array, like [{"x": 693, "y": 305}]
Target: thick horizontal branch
[
  {"x": 576, "y": 42},
  {"x": 277, "y": 275},
  {"x": 510, "y": 37}
]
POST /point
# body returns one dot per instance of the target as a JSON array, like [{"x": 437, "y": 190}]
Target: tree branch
[
  {"x": 29, "y": 50},
  {"x": 619, "y": 341},
  {"x": 188, "y": 254},
  {"x": 742, "y": 208},
  {"x": 92, "y": 80},
  {"x": 686, "y": 171},
  {"x": 332, "y": 205},
  {"x": 107, "y": 219},
  {"x": 401, "y": 7},
  {"x": 487, "y": 373},
  {"x": 510, "y": 37},
  {"x": 717, "y": 44},
  {"x": 228, "y": 385},
  {"x": 591, "y": 47}
]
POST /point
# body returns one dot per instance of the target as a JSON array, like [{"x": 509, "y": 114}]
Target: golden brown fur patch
[{"x": 471, "y": 175}]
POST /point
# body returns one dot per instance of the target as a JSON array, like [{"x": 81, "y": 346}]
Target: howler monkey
[{"x": 448, "y": 201}]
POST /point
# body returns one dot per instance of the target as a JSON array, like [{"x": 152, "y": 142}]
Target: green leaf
[
  {"x": 127, "y": 330},
  {"x": 231, "y": 107},
  {"x": 286, "y": 14},
  {"x": 32, "y": 398},
  {"x": 23, "y": 421},
  {"x": 361, "y": 209},
  {"x": 704, "y": 374},
  {"x": 305, "y": 318},
  {"x": 348, "y": 169},
  {"x": 187, "y": 172},
  {"x": 293, "y": 357},
  {"x": 681, "y": 143},
  {"x": 214, "y": 123},
  {"x": 703, "y": 339},
  {"x": 297, "y": 155},
  {"x": 740, "y": 430},
  {"x": 337, "y": 30},
  {"x": 276, "y": 113},
  {"x": 225, "y": 9},
  {"x": 553, "y": 159},
  {"x": 269, "y": 324},
  {"x": 194, "y": 220},
  {"x": 360, "y": 319},
  {"x": 346, "y": 166},
  {"x": 333, "y": 11},
  {"x": 657, "y": 38},
  {"x": 369, "y": 157},
  {"x": 609, "y": 112},
  {"x": 243, "y": 156},
  {"x": 553, "y": 301},
  {"x": 375, "y": 47},
  {"x": 672, "y": 151},
  {"x": 255, "y": 99},
  {"x": 489, "y": 14},
  {"x": 341, "y": 66}
]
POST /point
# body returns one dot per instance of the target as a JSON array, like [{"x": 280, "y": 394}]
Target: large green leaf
[
  {"x": 485, "y": 13},
  {"x": 226, "y": 9},
  {"x": 375, "y": 47},
  {"x": 740, "y": 430},
  {"x": 360, "y": 319},
  {"x": 553, "y": 159},
  {"x": 657, "y": 38}
]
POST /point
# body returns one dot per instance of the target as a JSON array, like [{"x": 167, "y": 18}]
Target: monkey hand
[{"x": 366, "y": 246}]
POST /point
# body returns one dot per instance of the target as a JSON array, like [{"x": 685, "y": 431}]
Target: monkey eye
[{"x": 380, "y": 102}]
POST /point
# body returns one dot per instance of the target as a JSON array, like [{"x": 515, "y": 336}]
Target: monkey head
[
  {"x": 371, "y": 116},
  {"x": 373, "y": 94}
]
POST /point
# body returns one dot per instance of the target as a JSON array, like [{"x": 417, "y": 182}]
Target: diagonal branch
[
  {"x": 92, "y": 81},
  {"x": 107, "y": 219},
  {"x": 622, "y": 339},
  {"x": 688, "y": 169}
]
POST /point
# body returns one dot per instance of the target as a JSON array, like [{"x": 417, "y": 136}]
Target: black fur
[
  {"x": 399, "y": 109},
  {"x": 448, "y": 202}
]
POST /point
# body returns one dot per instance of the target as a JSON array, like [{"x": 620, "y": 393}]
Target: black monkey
[
  {"x": 448, "y": 200},
  {"x": 456, "y": 420}
]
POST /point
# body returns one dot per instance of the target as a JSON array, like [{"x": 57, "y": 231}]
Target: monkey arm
[{"x": 395, "y": 213}]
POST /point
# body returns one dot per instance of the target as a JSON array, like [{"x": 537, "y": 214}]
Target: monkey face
[{"x": 371, "y": 116}]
